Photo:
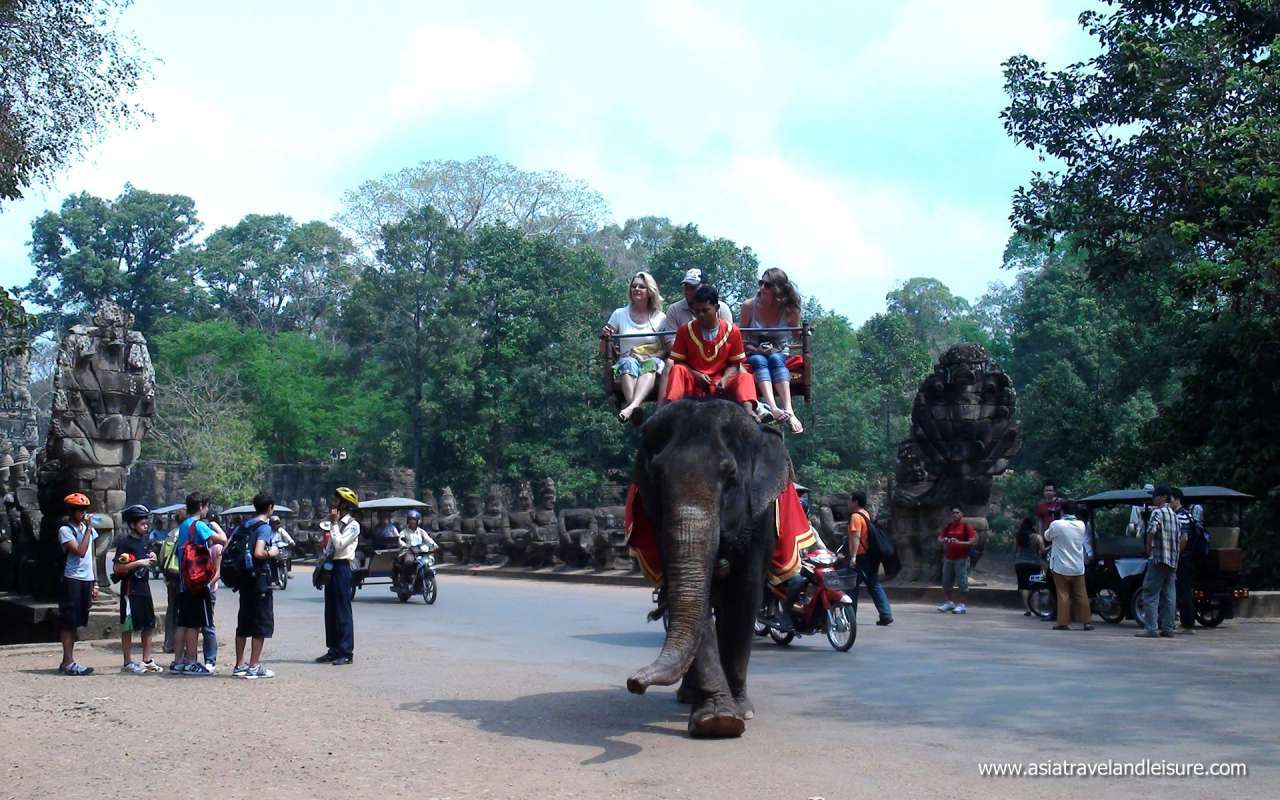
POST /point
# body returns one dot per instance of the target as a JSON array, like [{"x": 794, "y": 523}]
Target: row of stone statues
[{"x": 531, "y": 533}]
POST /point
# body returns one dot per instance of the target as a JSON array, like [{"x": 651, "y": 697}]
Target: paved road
[
  {"x": 514, "y": 689},
  {"x": 921, "y": 703}
]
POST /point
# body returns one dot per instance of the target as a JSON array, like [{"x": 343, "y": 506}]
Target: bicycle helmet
[
  {"x": 343, "y": 493},
  {"x": 135, "y": 513},
  {"x": 76, "y": 500}
]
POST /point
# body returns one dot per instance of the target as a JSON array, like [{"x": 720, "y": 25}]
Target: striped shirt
[{"x": 1165, "y": 533}]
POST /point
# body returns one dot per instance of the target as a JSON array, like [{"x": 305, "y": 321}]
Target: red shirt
[
  {"x": 1046, "y": 511},
  {"x": 710, "y": 358},
  {"x": 963, "y": 531}
]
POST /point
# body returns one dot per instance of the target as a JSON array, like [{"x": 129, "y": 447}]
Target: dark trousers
[
  {"x": 1188, "y": 571},
  {"x": 339, "y": 629}
]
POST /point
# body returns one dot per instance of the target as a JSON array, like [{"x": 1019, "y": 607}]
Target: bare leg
[
  {"x": 240, "y": 651},
  {"x": 765, "y": 390},
  {"x": 784, "y": 395},
  {"x": 662, "y": 386},
  {"x": 146, "y": 645},
  {"x": 68, "y": 637},
  {"x": 126, "y": 646},
  {"x": 255, "y": 651},
  {"x": 640, "y": 390}
]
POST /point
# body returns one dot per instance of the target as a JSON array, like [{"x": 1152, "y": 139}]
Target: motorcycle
[
  {"x": 416, "y": 576},
  {"x": 824, "y": 606},
  {"x": 1112, "y": 595},
  {"x": 281, "y": 566}
]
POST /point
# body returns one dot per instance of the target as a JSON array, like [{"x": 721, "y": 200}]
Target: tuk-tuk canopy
[
  {"x": 249, "y": 509},
  {"x": 1139, "y": 497},
  {"x": 391, "y": 504},
  {"x": 169, "y": 509}
]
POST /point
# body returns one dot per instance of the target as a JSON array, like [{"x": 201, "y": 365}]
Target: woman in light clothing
[
  {"x": 776, "y": 305},
  {"x": 640, "y": 357},
  {"x": 1067, "y": 560}
]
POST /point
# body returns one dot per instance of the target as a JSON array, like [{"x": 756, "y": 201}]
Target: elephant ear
[
  {"x": 770, "y": 471},
  {"x": 654, "y": 436}
]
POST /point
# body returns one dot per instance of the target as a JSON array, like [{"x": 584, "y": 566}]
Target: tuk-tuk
[
  {"x": 378, "y": 565},
  {"x": 1116, "y": 519}
]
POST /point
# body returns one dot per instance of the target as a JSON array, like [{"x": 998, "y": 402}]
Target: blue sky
[{"x": 853, "y": 144}]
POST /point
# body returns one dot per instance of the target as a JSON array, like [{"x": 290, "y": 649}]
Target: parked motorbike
[
  {"x": 417, "y": 576},
  {"x": 825, "y": 605},
  {"x": 1111, "y": 595}
]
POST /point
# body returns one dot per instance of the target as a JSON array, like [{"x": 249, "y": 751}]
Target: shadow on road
[
  {"x": 647, "y": 639},
  {"x": 590, "y": 718}
]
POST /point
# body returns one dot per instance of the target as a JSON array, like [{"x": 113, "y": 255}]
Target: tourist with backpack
[
  {"x": 132, "y": 567},
  {"x": 196, "y": 569},
  {"x": 344, "y": 532},
  {"x": 866, "y": 556},
  {"x": 1191, "y": 520},
  {"x": 79, "y": 589},
  {"x": 248, "y": 563}
]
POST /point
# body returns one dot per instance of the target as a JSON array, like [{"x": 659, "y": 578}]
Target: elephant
[{"x": 708, "y": 476}]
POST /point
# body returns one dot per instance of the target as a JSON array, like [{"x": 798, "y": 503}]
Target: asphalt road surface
[{"x": 514, "y": 689}]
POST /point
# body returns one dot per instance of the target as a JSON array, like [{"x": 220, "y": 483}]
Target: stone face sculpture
[
  {"x": 496, "y": 528},
  {"x": 471, "y": 532},
  {"x": 521, "y": 525},
  {"x": 609, "y": 550},
  {"x": 103, "y": 405},
  {"x": 450, "y": 526},
  {"x": 962, "y": 434},
  {"x": 577, "y": 531},
  {"x": 546, "y": 532}
]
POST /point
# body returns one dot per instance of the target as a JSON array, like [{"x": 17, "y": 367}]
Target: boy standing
[
  {"x": 134, "y": 560},
  {"x": 79, "y": 588},
  {"x": 195, "y": 607},
  {"x": 257, "y": 620}
]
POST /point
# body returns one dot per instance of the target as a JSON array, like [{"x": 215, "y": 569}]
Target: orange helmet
[{"x": 76, "y": 500}]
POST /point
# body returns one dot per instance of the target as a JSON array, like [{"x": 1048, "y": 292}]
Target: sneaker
[
  {"x": 197, "y": 669},
  {"x": 326, "y": 658},
  {"x": 240, "y": 670},
  {"x": 959, "y": 609},
  {"x": 1147, "y": 635},
  {"x": 253, "y": 673},
  {"x": 947, "y": 606},
  {"x": 75, "y": 668},
  {"x": 151, "y": 666},
  {"x": 211, "y": 667},
  {"x": 178, "y": 668},
  {"x": 883, "y": 621},
  {"x": 134, "y": 668}
]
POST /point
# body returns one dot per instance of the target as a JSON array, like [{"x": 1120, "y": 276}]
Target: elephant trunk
[{"x": 692, "y": 539}]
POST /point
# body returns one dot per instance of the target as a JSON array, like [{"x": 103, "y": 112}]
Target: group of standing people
[
  {"x": 1165, "y": 528},
  {"x": 694, "y": 349},
  {"x": 197, "y": 555}
]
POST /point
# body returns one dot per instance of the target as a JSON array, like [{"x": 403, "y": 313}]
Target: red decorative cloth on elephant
[
  {"x": 691, "y": 353},
  {"x": 795, "y": 535}
]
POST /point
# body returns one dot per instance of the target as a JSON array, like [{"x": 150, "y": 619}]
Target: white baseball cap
[{"x": 694, "y": 277}]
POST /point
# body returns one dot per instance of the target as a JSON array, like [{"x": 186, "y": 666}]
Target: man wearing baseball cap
[{"x": 679, "y": 314}]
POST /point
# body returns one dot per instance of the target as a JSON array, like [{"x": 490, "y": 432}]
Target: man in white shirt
[{"x": 1067, "y": 563}]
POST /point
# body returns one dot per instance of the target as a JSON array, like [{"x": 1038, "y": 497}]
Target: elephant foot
[
  {"x": 745, "y": 707},
  {"x": 716, "y": 719}
]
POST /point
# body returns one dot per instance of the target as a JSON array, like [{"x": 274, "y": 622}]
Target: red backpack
[{"x": 197, "y": 563}]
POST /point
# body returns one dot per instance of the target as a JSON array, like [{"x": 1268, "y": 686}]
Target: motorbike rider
[
  {"x": 281, "y": 539},
  {"x": 411, "y": 538}
]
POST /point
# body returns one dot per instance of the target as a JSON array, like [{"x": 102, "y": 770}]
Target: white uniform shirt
[
  {"x": 342, "y": 541},
  {"x": 414, "y": 538}
]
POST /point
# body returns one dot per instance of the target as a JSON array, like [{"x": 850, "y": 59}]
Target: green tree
[
  {"x": 731, "y": 269},
  {"x": 932, "y": 310},
  {"x": 1168, "y": 143},
  {"x": 271, "y": 273},
  {"x": 893, "y": 362},
  {"x": 121, "y": 250},
  {"x": 68, "y": 76}
]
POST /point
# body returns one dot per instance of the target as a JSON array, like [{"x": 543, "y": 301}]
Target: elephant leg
[
  {"x": 735, "y": 616},
  {"x": 716, "y": 716},
  {"x": 689, "y": 693}
]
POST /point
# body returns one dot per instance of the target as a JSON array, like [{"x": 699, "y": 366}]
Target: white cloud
[{"x": 449, "y": 68}]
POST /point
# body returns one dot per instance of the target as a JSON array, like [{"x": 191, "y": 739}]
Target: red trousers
[{"x": 682, "y": 383}]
